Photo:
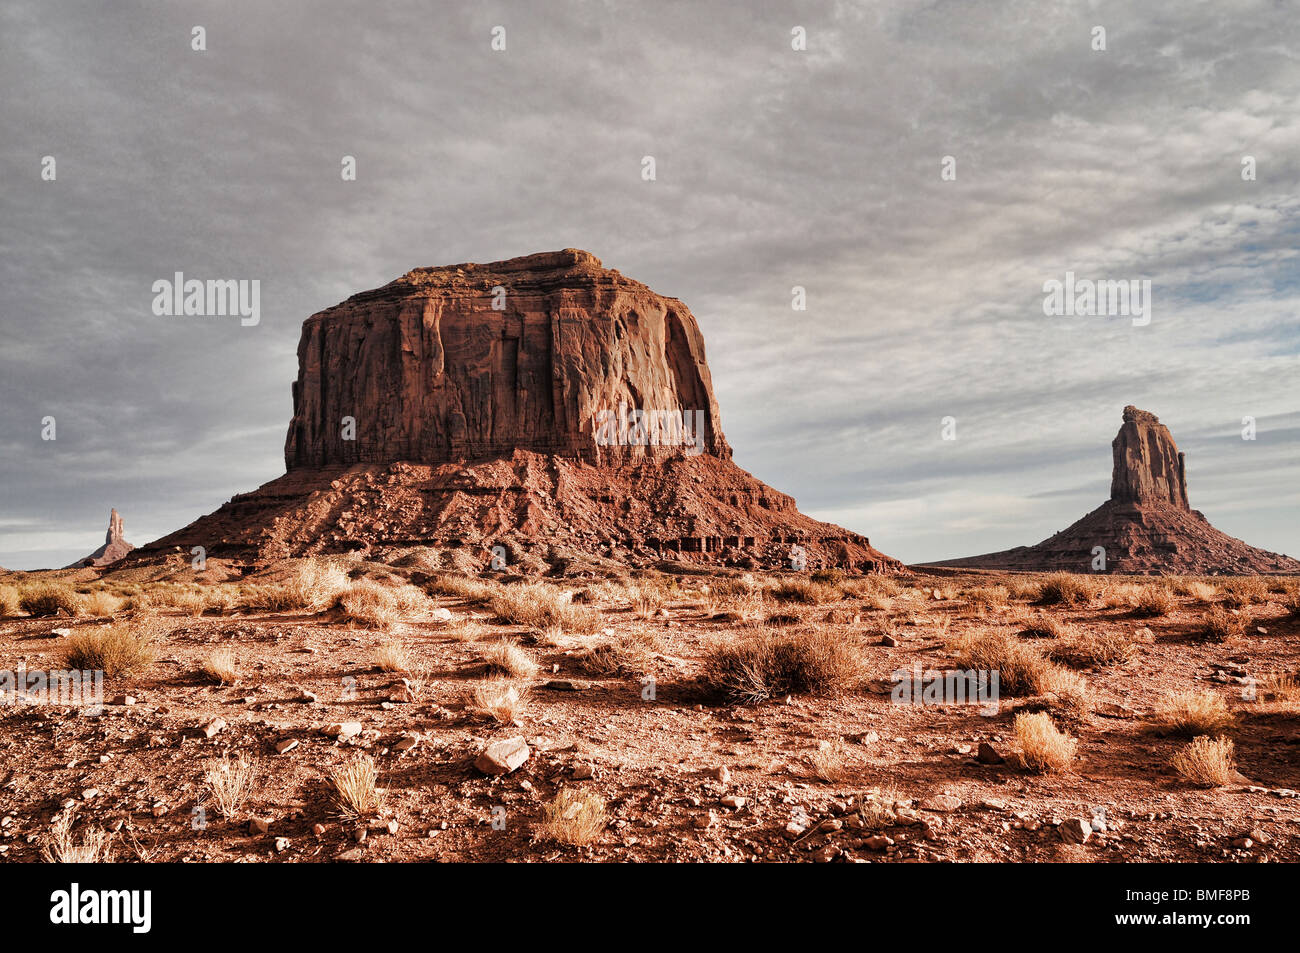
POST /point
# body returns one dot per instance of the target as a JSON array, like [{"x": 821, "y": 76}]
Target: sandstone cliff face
[
  {"x": 431, "y": 372},
  {"x": 1148, "y": 466}
]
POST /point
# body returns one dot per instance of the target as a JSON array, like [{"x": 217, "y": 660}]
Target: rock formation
[
  {"x": 545, "y": 405},
  {"x": 114, "y": 548},
  {"x": 1146, "y": 526}
]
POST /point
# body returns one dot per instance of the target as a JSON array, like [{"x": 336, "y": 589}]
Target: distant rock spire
[
  {"x": 1148, "y": 466},
  {"x": 114, "y": 529}
]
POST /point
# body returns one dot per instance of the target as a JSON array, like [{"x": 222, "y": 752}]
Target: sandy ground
[{"x": 684, "y": 776}]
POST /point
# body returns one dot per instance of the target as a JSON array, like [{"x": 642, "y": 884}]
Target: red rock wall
[{"x": 432, "y": 373}]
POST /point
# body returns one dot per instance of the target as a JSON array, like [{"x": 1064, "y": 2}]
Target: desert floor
[{"x": 646, "y": 740}]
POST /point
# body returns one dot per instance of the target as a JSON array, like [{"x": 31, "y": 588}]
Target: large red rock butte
[
  {"x": 473, "y": 406},
  {"x": 1146, "y": 527}
]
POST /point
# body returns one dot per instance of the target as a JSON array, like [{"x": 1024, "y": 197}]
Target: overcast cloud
[{"x": 775, "y": 168}]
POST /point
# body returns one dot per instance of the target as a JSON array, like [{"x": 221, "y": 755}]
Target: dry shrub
[
  {"x": 501, "y": 699},
  {"x": 829, "y": 761},
  {"x": 984, "y": 598},
  {"x": 1193, "y": 713},
  {"x": 879, "y": 808},
  {"x": 46, "y": 599},
  {"x": 759, "y": 664},
  {"x": 63, "y": 848},
  {"x": 392, "y": 657},
  {"x": 507, "y": 656},
  {"x": 1250, "y": 590},
  {"x": 1280, "y": 687},
  {"x": 576, "y": 818},
  {"x": 1065, "y": 589},
  {"x": 370, "y": 604},
  {"x": 220, "y": 667},
  {"x": 646, "y": 602},
  {"x": 355, "y": 794},
  {"x": 1154, "y": 601},
  {"x": 230, "y": 782},
  {"x": 804, "y": 591},
  {"x": 1043, "y": 747},
  {"x": 1200, "y": 591},
  {"x": 1069, "y": 690},
  {"x": 1206, "y": 762},
  {"x": 114, "y": 650},
  {"x": 1045, "y": 626},
  {"x": 538, "y": 605},
  {"x": 1122, "y": 595},
  {"x": 1023, "y": 588},
  {"x": 9, "y": 600},
  {"x": 101, "y": 604},
  {"x": 624, "y": 656},
  {"x": 1220, "y": 625},
  {"x": 1021, "y": 668},
  {"x": 1095, "y": 648}
]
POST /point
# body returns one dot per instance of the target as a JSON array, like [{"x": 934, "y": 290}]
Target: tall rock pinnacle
[
  {"x": 114, "y": 548},
  {"x": 1148, "y": 466},
  {"x": 114, "y": 529}
]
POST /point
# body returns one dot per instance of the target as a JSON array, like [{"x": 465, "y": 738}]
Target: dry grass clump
[
  {"x": 1200, "y": 591},
  {"x": 1221, "y": 625},
  {"x": 1154, "y": 601},
  {"x": 538, "y": 605},
  {"x": 804, "y": 591},
  {"x": 392, "y": 657},
  {"x": 1044, "y": 625},
  {"x": 114, "y": 650},
  {"x": 1109, "y": 647},
  {"x": 355, "y": 794},
  {"x": 9, "y": 600},
  {"x": 1064, "y": 588},
  {"x": 63, "y": 848},
  {"x": 983, "y": 598},
  {"x": 375, "y": 606},
  {"x": 1193, "y": 713},
  {"x": 829, "y": 762},
  {"x": 1280, "y": 687},
  {"x": 500, "y": 699},
  {"x": 220, "y": 666},
  {"x": 47, "y": 598},
  {"x": 507, "y": 656},
  {"x": 462, "y": 587},
  {"x": 313, "y": 585},
  {"x": 101, "y": 604},
  {"x": 623, "y": 656},
  {"x": 1245, "y": 591},
  {"x": 1121, "y": 595},
  {"x": 1044, "y": 748},
  {"x": 1023, "y": 589},
  {"x": 230, "y": 782},
  {"x": 758, "y": 664},
  {"x": 879, "y": 808},
  {"x": 646, "y": 602},
  {"x": 576, "y": 818},
  {"x": 1206, "y": 762},
  {"x": 1021, "y": 668}
]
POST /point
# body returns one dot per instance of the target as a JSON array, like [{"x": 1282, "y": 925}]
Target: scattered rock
[
  {"x": 987, "y": 754},
  {"x": 284, "y": 747},
  {"x": 1075, "y": 831},
  {"x": 502, "y": 757},
  {"x": 342, "y": 729},
  {"x": 942, "y": 803},
  {"x": 213, "y": 728}
]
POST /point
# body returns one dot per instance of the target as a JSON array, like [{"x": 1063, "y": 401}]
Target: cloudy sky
[{"x": 775, "y": 168}]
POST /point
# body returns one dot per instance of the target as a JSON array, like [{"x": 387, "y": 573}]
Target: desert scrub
[
  {"x": 101, "y": 604},
  {"x": 625, "y": 656},
  {"x": 355, "y": 794},
  {"x": 9, "y": 599},
  {"x": 1223, "y": 625},
  {"x": 1206, "y": 762},
  {"x": 1192, "y": 713},
  {"x": 829, "y": 761},
  {"x": 500, "y": 699},
  {"x": 804, "y": 591},
  {"x": 758, "y": 664},
  {"x": 1154, "y": 601},
  {"x": 114, "y": 650},
  {"x": 46, "y": 599},
  {"x": 576, "y": 818},
  {"x": 538, "y": 605},
  {"x": 379, "y": 606},
  {"x": 220, "y": 667},
  {"x": 508, "y": 657},
  {"x": 1044, "y": 748},
  {"x": 1108, "y": 647},
  {"x": 95, "y": 845},
  {"x": 230, "y": 781},
  {"x": 1063, "y": 588},
  {"x": 983, "y": 598}
]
